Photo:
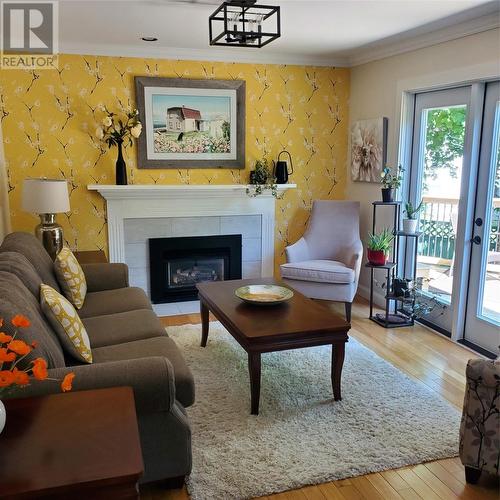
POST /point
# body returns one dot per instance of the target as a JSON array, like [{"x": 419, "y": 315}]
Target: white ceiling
[{"x": 334, "y": 32}]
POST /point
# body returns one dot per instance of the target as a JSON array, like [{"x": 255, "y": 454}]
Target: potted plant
[
  {"x": 379, "y": 245},
  {"x": 12, "y": 377},
  {"x": 261, "y": 179},
  {"x": 410, "y": 222},
  {"x": 391, "y": 181}
]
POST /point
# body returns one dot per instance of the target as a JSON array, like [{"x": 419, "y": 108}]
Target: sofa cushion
[
  {"x": 114, "y": 301},
  {"x": 123, "y": 327},
  {"x": 18, "y": 264},
  {"x": 66, "y": 323},
  {"x": 29, "y": 246},
  {"x": 17, "y": 299},
  {"x": 158, "y": 346},
  {"x": 70, "y": 276},
  {"x": 321, "y": 271}
]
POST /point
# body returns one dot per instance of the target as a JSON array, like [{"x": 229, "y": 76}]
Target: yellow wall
[{"x": 49, "y": 119}]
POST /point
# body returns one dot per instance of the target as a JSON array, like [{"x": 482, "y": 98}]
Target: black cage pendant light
[{"x": 242, "y": 23}]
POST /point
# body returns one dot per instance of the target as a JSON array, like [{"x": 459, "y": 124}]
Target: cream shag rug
[{"x": 302, "y": 436}]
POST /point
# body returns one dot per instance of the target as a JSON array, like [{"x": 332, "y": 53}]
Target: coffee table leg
[
  {"x": 254, "y": 370},
  {"x": 338, "y": 353},
  {"x": 204, "y": 312}
]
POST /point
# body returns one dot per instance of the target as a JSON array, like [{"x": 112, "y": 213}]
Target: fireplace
[{"x": 177, "y": 264}]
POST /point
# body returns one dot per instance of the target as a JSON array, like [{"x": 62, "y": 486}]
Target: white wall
[{"x": 377, "y": 89}]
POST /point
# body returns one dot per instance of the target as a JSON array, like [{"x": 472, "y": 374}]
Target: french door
[
  {"x": 482, "y": 326},
  {"x": 455, "y": 173}
]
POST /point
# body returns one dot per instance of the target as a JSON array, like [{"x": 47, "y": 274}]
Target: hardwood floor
[{"x": 423, "y": 355}]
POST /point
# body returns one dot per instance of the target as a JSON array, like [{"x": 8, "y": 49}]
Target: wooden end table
[
  {"x": 78, "y": 445},
  {"x": 300, "y": 322}
]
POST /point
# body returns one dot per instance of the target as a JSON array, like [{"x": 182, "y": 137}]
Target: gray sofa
[{"x": 129, "y": 346}]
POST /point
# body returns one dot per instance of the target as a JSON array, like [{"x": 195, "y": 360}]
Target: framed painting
[
  {"x": 190, "y": 123},
  {"x": 368, "y": 149}
]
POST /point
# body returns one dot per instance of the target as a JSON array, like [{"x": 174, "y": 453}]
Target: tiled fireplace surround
[{"x": 137, "y": 213}]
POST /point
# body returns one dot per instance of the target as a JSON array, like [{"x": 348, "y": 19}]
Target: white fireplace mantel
[{"x": 155, "y": 201}]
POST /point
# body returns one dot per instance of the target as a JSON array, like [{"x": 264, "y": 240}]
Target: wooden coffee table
[{"x": 300, "y": 322}]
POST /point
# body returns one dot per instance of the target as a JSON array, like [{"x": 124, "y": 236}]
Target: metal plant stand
[{"x": 395, "y": 314}]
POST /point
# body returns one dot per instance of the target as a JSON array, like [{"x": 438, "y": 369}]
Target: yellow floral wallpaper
[{"x": 49, "y": 120}]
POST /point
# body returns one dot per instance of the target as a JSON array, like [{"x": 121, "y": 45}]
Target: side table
[{"x": 78, "y": 445}]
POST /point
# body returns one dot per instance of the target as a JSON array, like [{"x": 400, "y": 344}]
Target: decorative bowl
[{"x": 264, "y": 295}]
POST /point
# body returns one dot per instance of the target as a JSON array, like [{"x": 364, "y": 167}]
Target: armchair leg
[
  {"x": 472, "y": 475},
  {"x": 348, "y": 308}
]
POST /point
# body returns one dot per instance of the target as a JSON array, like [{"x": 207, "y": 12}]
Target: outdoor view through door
[{"x": 443, "y": 149}]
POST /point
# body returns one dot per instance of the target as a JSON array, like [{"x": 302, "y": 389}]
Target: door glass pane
[
  {"x": 443, "y": 138},
  {"x": 489, "y": 303}
]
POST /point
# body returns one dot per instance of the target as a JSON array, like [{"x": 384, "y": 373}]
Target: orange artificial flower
[
  {"x": 6, "y": 378},
  {"x": 6, "y": 356},
  {"x": 20, "y": 377},
  {"x": 1, "y": 322},
  {"x": 39, "y": 369},
  {"x": 34, "y": 344},
  {"x": 4, "y": 338},
  {"x": 20, "y": 321},
  {"x": 19, "y": 347},
  {"x": 66, "y": 384}
]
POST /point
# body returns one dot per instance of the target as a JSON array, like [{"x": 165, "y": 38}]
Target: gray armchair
[{"x": 325, "y": 263}]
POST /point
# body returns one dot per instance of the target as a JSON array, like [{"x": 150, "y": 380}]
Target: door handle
[{"x": 476, "y": 240}]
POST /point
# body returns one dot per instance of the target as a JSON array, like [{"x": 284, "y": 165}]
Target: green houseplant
[
  {"x": 411, "y": 211},
  {"x": 262, "y": 179},
  {"x": 391, "y": 181},
  {"x": 379, "y": 245}
]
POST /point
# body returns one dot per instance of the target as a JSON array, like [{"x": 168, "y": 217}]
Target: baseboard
[{"x": 378, "y": 298}]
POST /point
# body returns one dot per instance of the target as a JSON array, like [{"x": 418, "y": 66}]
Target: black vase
[
  {"x": 387, "y": 195},
  {"x": 121, "y": 168}
]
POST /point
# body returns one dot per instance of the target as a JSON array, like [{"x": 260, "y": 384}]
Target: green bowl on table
[{"x": 264, "y": 295}]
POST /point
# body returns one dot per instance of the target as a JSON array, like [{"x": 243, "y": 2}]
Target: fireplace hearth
[{"x": 177, "y": 264}]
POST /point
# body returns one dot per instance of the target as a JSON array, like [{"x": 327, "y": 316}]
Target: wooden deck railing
[{"x": 438, "y": 223}]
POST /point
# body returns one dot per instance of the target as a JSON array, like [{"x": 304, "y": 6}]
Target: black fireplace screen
[{"x": 177, "y": 264}]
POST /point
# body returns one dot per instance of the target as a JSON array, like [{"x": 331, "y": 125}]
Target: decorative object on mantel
[
  {"x": 262, "y": 179},
  {"x": 410, "y": 222},
  {"x": 47, "y": 197},
  {"x": 242, "y": 23},
  {"x": 12, "y": 352},
  {"x": 191, "y": 123},
  {"x": 368, "y": 149},
  {"x": 378, "y": 247},
  {"x": 391, "y": 182},
  {"x": 115, "y": 131},
  {"x": 281, "y": 172}
]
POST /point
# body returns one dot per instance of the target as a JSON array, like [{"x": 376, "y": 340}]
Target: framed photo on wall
[
  {"x": 368, "y": 149},
  {"x": 190, "y": 123}
]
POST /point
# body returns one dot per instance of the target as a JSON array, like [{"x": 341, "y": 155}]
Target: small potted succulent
[
  {"x": 379, "y": 245},
  {"x": 391, "y": 181},
  {"x": 410, "y": 221}
]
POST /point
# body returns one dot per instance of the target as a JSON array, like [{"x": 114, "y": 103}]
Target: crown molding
[
  {"x": 231, "y": 55},
  {"x": 402, "y": 43}
]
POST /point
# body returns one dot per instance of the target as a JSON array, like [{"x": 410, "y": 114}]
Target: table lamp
[{"x": 47, "y": 197}]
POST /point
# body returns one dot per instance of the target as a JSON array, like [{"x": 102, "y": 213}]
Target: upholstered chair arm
[
  {"x": 297, "y": 252},
  {"x": 104, "y": 276},
  {"x": 356, "y": 258},
  {"x": 152, "y": 380}
]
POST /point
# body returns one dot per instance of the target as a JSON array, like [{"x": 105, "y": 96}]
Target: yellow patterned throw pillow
[
  {"x": 70, "y": 277},
  {"x": 66, "y": 323}
]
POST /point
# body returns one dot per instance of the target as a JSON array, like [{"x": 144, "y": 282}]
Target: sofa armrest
[
  {"x": 152, "y": 380},
  {"x": 104, "y": 276},
  {"x": 297, "y": 252}
]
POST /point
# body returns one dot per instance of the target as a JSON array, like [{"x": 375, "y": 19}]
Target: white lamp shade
[{"x": 45, "y": 196}]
